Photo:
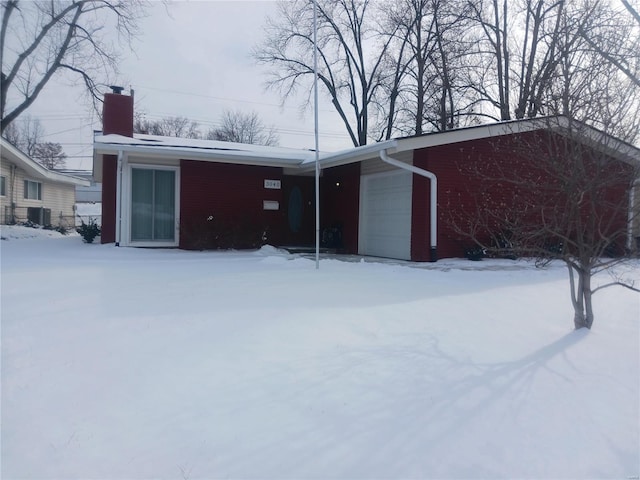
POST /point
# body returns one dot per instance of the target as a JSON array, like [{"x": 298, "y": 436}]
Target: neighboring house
[
  {"x": 378, "y": 199},
  {"x": 85, "y": 194},
  {"x": 31, "y": 192}
]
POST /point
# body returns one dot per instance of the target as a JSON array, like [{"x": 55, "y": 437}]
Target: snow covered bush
[{"x": 88, "y": 231}]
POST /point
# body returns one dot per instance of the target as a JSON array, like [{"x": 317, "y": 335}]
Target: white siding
[
  {"x": 58, "y": 197},
  {"x": 5, "y": 201}
]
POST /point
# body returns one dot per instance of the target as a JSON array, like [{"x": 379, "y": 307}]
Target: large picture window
[
  {"x": 32, "y": 190},
  {"x": 152, "y": 205}
]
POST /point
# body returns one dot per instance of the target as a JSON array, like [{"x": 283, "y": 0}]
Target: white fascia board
[
  {"x": 64, "y": 178},
  {"x": 232, "y": 156},
  {"x": 561, "y": 124},
  {"x": 352, "y": 155},
  {"x": 604, "y": 142},
  {"x": 467, "y": 134},
  {"x": 35, "y": 170}
]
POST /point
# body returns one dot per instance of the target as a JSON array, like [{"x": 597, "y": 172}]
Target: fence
[{"x": 43, "y": 216}]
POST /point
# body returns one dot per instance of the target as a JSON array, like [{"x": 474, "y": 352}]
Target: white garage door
[{"x": 385, "y": 215}]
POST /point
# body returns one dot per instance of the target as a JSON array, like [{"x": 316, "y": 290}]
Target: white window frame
[
  {"x": 26, "y": 190},
  {"x": 3, "y": 185},
  {"x": 126, "y": 206}
]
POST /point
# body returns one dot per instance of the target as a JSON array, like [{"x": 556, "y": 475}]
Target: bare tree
[
  {"x": 41, "y": 39},
  {"x": 167, "y": 127},
  {"x": 516, "y": 57},
  {"x": 564, "y": 194},
  {"x": 243, "y": 128},
  {"x": 436, "y": 33},
  {"x": 493, "y": 84},
  {"x": 617, "y": 40},
  {"x": 26, "y": 134},
  {"x": 49, "y": 154},
  {"x": 350, "y": 56},
  {"x": 584, "y": 86}
]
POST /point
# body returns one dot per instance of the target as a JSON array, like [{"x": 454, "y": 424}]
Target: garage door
[{"x": 385, "y": 215}]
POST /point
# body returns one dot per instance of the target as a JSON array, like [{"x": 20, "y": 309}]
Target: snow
[
  {"x": 139, "y": 363},
  {"x": 262, "y": 153}
]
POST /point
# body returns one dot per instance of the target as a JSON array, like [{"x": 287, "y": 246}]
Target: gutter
[
  {"x": 228, "y": 156},
  {"x": 351, "y": 155},
  {"x": 433, "y": 204}
]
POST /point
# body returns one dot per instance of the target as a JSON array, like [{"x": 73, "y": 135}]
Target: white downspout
[
  {"x": 632, "y": 214},
  {"x": 119, "y": 197},
  {"x": 433, "y": 200}
]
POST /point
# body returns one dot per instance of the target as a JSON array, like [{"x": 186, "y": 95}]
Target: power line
[
  {"x": 200, "y": 95},
  {"x": 213, "y": 123}
]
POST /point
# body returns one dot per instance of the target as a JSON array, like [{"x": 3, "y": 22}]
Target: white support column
[{"x": 119, "y": 167}]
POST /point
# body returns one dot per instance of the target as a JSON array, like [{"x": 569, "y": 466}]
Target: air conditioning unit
[{"x": 39, "y": 215}]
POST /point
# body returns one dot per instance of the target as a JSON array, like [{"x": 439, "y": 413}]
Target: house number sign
[{"x": 272, "y": 184}]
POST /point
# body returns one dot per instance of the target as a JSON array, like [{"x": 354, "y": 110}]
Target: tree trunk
[
  {"x": 581, "y": 296},
  {"x": 588, "y": 306}
]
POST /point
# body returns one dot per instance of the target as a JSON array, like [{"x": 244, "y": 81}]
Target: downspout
[
  {"x": 433, "y": 200},
  {"x": 633, "y": 214},
  {"x": 119, "y": 197},
  {"x": 13, "y": 194}
]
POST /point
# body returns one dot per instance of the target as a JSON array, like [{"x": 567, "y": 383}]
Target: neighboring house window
[
  {"x": 3, "y": 186},
  {"x": 32, "y": 190}
]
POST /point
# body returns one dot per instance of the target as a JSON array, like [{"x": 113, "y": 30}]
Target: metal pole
[{"x": 315, "y": 97}]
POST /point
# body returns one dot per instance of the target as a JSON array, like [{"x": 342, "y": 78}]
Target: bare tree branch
[{"x": 38, "y": 39}]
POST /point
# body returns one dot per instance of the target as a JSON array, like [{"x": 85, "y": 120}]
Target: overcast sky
[{"x": 193, "y": 62}]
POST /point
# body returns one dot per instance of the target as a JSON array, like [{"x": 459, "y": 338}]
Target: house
[
  {"x": 388, "y": 199},
  {"x": 31, "y": 192},
  {"x": 85, "y": 194}
]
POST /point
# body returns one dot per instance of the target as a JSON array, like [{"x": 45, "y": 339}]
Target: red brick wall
[
  {"x": 109, "y": 173},
  {"x": 454, "y": 192},
  {"x": 233, "y": 196},
  {"x": 117, "y": 114},
  {"x": 458, "y": 186}
]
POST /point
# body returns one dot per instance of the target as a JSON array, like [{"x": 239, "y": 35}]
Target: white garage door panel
[{"x": 385, "y": 215}]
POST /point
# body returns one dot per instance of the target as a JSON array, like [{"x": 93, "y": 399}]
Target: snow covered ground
[{"x": 137, "y": 363}]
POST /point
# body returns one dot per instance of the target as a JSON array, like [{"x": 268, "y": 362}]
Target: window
[
  {"x": 32, "y": 190},
  {"x": 3, "y": 186}
]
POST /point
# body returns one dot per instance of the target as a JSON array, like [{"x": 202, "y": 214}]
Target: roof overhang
[
  {"x": 301, "y": 162},
  {"x": 562, "y": 125},
  {"x": 14, "y": 155},
  {"x": 148, "y": 146}
]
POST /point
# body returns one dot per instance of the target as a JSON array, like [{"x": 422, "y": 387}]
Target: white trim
[
  {"x": 34, "y": 169},
  {"x": 171, "y": 148},
  {"x": 298, "y": 161},
  {"x": 126, "y": 206},
  {"x": 25, "y": 190},
  {"x": 119, "y": 166}
]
